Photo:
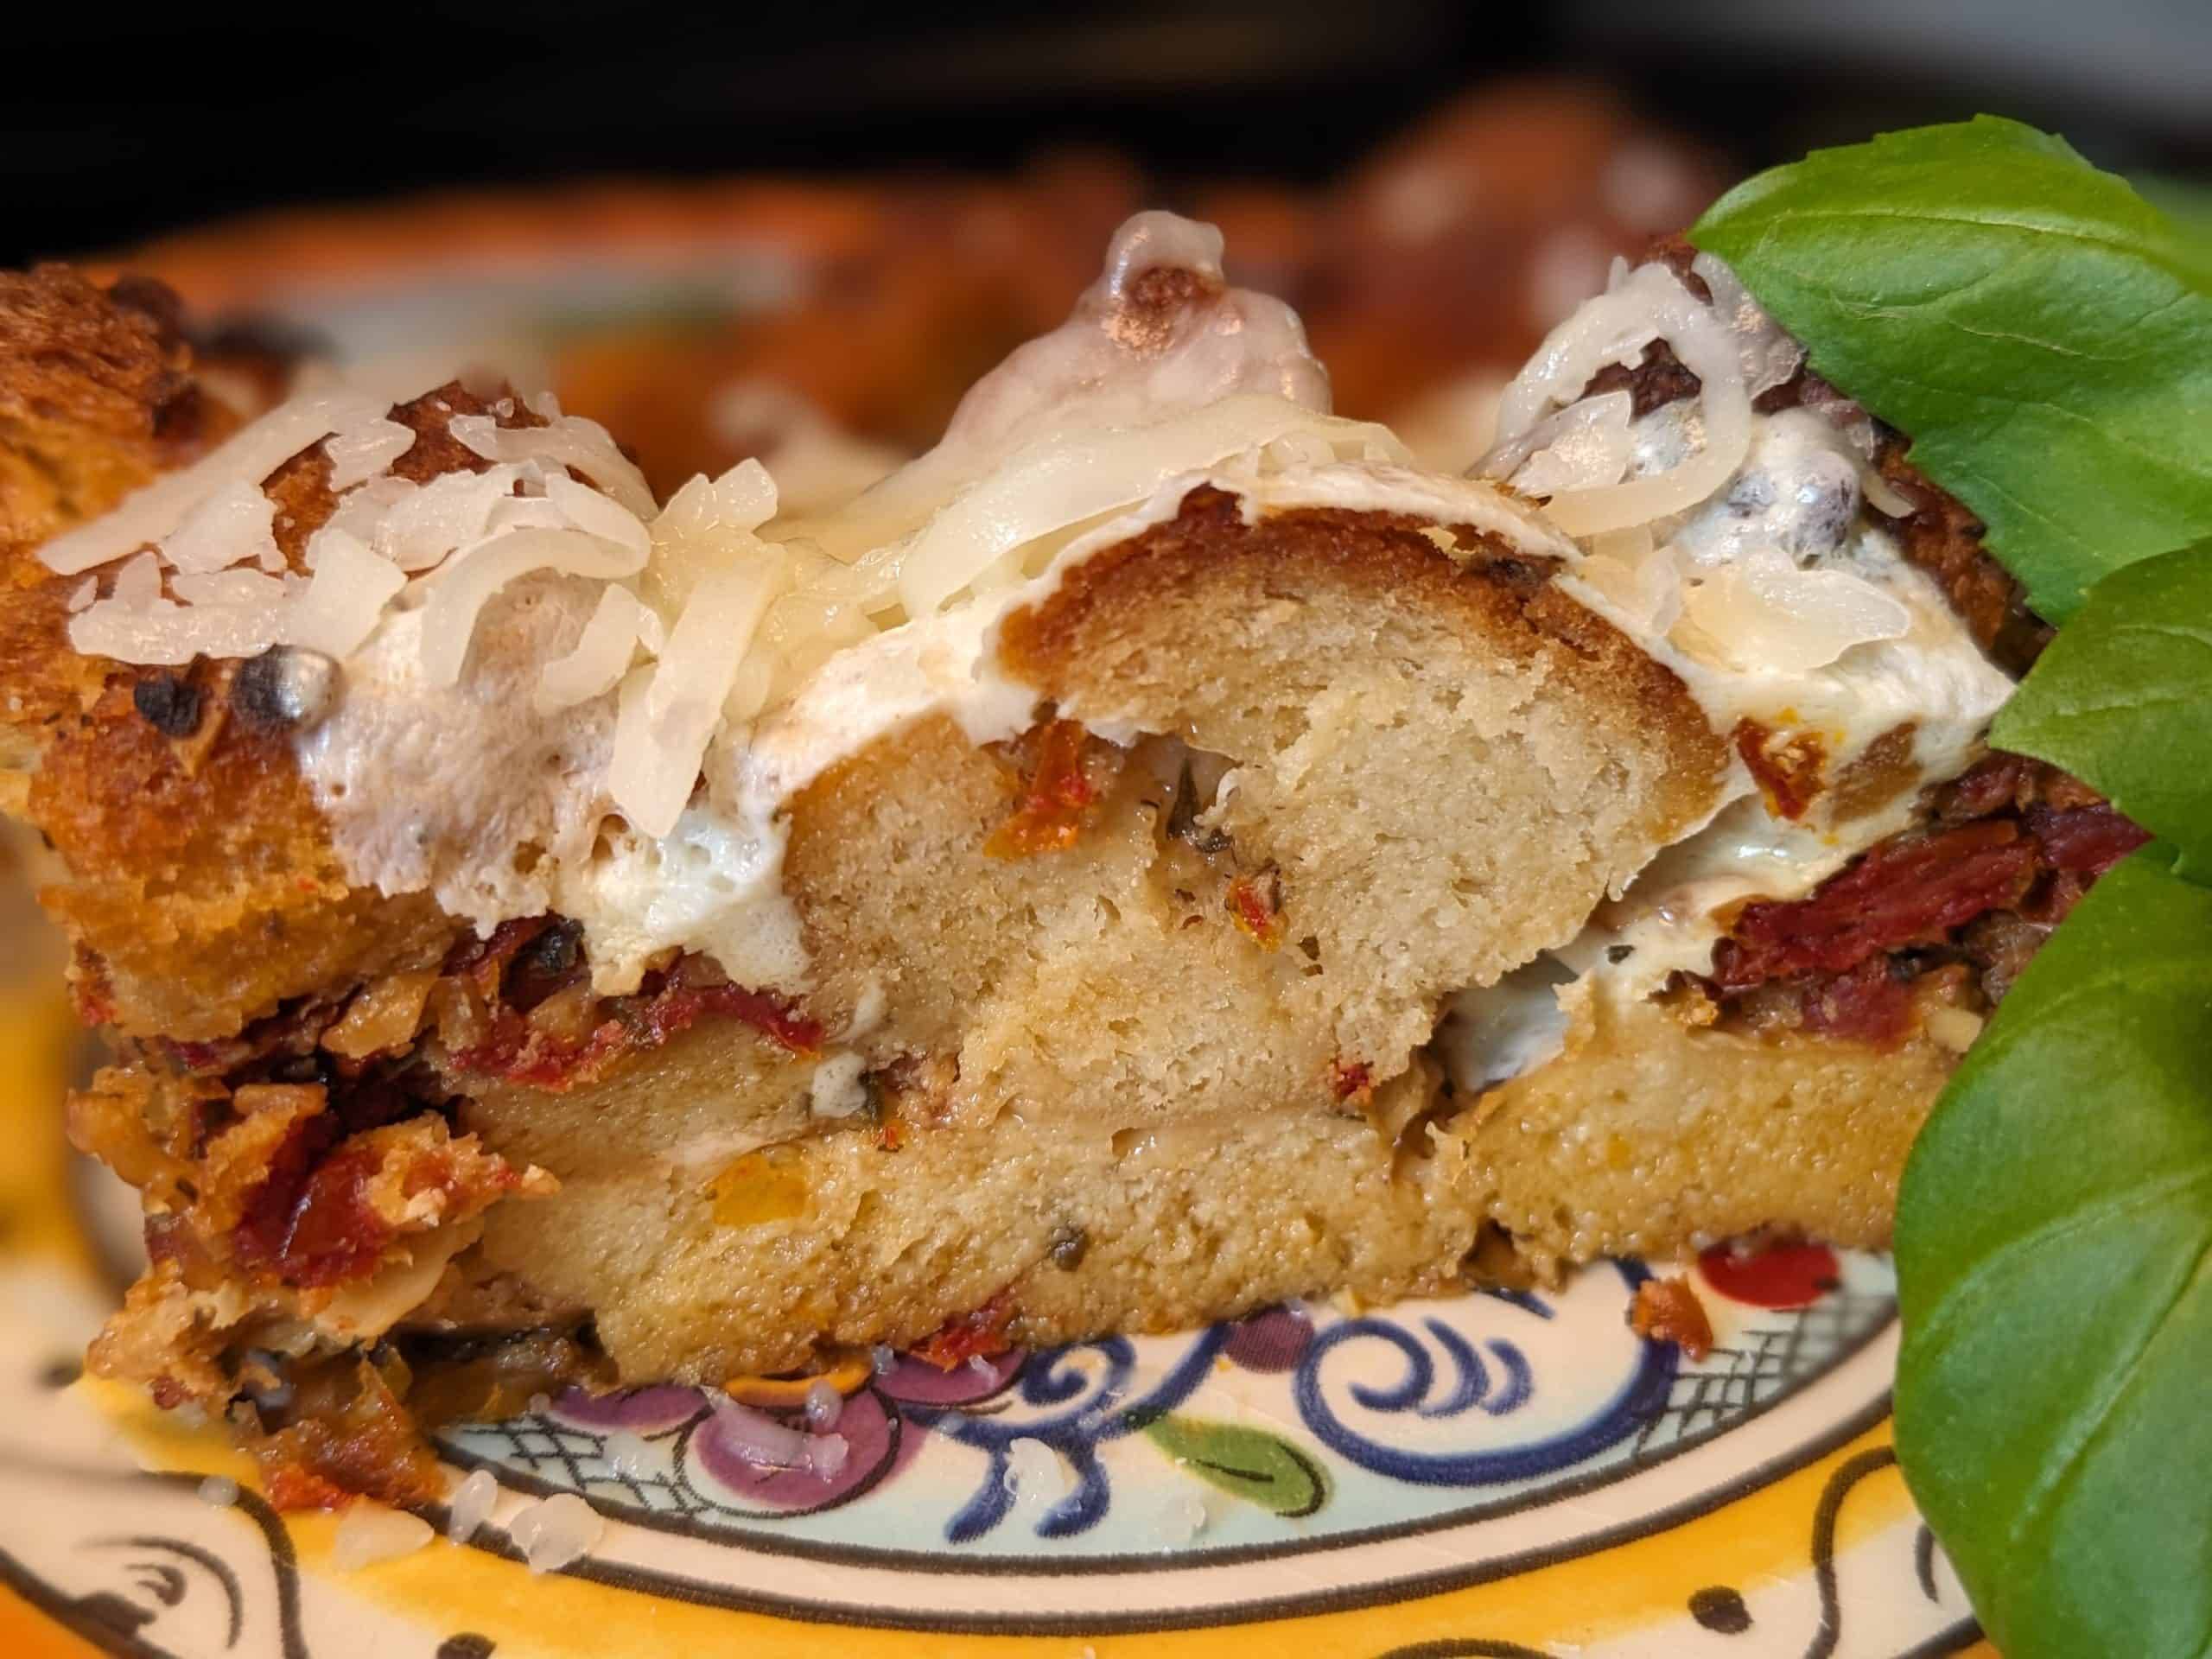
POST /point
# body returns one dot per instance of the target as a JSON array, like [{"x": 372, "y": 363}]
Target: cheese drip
[{"x": 1754, "y": 565}]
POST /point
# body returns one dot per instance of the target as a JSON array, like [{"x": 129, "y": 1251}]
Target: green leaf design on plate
[
  {"x": 2054, "y": 1244},
  {"x": 2123, "y": 700},
  {"x": 2042, "y": 333},
  {"x": 1248, "y": 1462}
]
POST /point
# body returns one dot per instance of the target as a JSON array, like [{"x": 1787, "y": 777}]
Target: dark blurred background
[
  {"x": 800, "y": 232},
  {"x": 117, "y": 127}
]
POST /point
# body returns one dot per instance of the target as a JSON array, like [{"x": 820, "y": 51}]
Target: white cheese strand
[
  {"x": 234, "y": 523},
  {"x": 1120, "y": 362},
  {"x": 345, "y": 599},
  {"x": 248, "y": 456},
  {"x": 570, "y": 441},
  {"x": 416, "y": 526},
  {"x": 1580, "y": 446},
  {"x": 601, "y": 656},
  {"x": 1770, "y": 356},
  {"x": 241, "y": 588},
  {"x": 1612, "y": 329},
  {"x": 665, "y": 719},
  {"x": 1063, "y": 481},
  {"x": 598, "y": 515},
  {"x": 168, "y": 635},
  {"x": 474, "y": 576},
  {"x": 1707, "y": 351},
  {"x": 359, "y": 453},
  {"x": 1648, "y": 303},
  {"x": 1762, "y": 614}
]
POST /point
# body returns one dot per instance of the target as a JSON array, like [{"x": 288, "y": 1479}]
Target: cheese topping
[
  {"x": 551, "y": 694},
  {"x": 1768, "y": 587}
]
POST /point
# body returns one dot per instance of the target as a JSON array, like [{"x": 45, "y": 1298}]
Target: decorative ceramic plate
[{"x": 1499, "y": 1474}]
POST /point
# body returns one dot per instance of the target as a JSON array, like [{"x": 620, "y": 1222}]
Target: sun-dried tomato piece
[
  {"x": 368, "y": 1446},
  {"x": 1788, "y": 769},
  {"x": 1056, "y": 797},
  {"x": 261, "y": 1238},
  {"x": 92, "y": 994},
  {"x": 295, "y": 1030},
  {"x": 334, "y": 1221},
  {"x": 771, "y": 1015},
  {"x": 1254, "y": 904},
  {"x": 1993, "y": 784},
  {"x": 335, "y": 1232},
  {"x": 522, "y": 1051},
  {"x": 972, "y": 1336},
  {"x": 1667, "y": 1310},
  {"x": 2084, "y": 840},
  {"x": 1867, "y": 1005},
  {"x": 488, "y": 957},
  {"x": 1904, "y": 892},
  {"x": 1351, "y": 1079},
  {"x": 1772, "y": 1274}
]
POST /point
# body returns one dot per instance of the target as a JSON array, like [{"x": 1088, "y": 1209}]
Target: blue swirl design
[
  {"x": 1489, "y": 1360},
  {"x": 1473, "y": 1388},
  {"x": 1527, "y": 1301},
  {"x": 1642, "y": 1395},
  {"x": 1094, "y": 1410}
]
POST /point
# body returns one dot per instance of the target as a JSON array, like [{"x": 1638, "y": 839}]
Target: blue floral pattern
[{"x": 1274, "y": 1431}]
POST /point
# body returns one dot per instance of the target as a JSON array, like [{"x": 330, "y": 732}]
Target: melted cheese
[
  {"x": 565, "y": 700},
  {"x": 1778, "y": 598}
]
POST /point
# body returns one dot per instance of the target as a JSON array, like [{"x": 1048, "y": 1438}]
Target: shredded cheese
[{"x": 248, "y": 456}]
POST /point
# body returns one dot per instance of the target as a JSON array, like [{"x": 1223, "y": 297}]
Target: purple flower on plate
[
  {"x": 868, "y": 1432},
  {"x": 1274, "y": 1339},
  {"x": 918, "y": 1383},
  {"x": 642, "y": 1411}
]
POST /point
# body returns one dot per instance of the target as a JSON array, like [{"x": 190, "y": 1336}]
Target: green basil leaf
[
  {"x": 2185, "y": 202},
  {"x": 2042, "y": 334},
  {"x": 2122, "y": 699},
  {"x": 1248, "y": 1463},
  {"x": 2054, "y": 1244}
]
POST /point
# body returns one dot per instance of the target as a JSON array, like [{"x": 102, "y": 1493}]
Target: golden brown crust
[
  {"x": 301, "y": 487},
  {"x": 202, "y": 892},
  {"x": 96, "y": 398},
  {"x": 1654, "y": 1133},
  {"x": 1447, "y": 761},
  {"x": 1504, "y": 597},
  {"x": 202, "y": 889}
]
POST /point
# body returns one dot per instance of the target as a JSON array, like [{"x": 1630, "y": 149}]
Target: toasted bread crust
[
  {"x": 96, "y": 398},
  {"x": 203, "y": 889},
  {"x": 1435, "y": 751},
  {"x": 1064, "y": 644},
  {"x": 1653, "y": 1133}
]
